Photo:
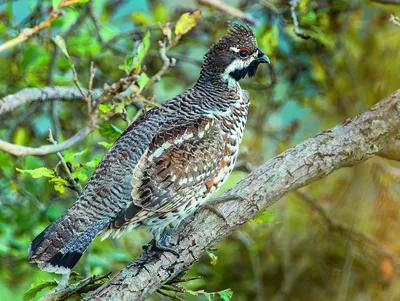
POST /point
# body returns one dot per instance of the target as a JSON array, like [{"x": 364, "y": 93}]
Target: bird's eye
[{"x": 244, "y": 53}]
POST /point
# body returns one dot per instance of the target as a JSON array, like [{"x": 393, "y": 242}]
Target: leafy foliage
[{"x": 36, "y": 288}]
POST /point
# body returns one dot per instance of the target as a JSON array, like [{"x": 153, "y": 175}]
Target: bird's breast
[{"x": 232, "y": 122}]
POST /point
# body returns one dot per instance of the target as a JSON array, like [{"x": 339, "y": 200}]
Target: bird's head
[{"x": 235, "y": 55}]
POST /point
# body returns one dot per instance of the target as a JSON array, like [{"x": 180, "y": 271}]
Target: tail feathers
[{"x": 58, "y": 248}]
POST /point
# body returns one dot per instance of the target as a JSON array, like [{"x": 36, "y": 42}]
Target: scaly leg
[{"x": 160, "y": 242}]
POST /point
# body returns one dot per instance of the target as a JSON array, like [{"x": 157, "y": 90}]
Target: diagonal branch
[
  {"x": 27, "y": 32},
  {"x": 349, "y": 143},
  {"x": 363, "y": 239},
  {"x": 230, "y": 10}
]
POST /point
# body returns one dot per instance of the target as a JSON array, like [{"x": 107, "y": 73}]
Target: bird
[{"x": 166, "y": 164}]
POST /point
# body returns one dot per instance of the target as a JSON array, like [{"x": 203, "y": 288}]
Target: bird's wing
[{"x": 181, "y": 156}]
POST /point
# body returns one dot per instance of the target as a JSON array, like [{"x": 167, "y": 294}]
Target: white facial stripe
[{"x": 237, "y": 64}]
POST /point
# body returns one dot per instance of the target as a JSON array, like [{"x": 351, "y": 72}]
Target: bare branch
[
  {"x": 225, "y": 8},
  {"x": 349, "y": 143},
  {"x": 27, "y": 32},
  {"x": 20, "y": 150},
  {"x": 361, "y": 238},
  {"x": 394, "y": 19},
  {"x": 168, "y": 63},
  {"x": 394, "y": 2},
  {"x": 293, "y": 4}
]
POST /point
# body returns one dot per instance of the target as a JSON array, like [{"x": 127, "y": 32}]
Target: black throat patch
[{"x": 249, "y": 70}]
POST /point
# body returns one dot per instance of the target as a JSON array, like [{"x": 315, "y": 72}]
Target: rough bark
[{"x": 374, "y": 132}]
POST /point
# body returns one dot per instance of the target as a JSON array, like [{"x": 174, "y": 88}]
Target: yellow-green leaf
[
  {"x": 36, "y": 288},
  {"x": 105, "y": 108},
  {"x": 186, "y": 22},
  {"x": 264, "y": 217},
  {"x": 105, "y": 144},
  {"x": 59, "y": 184},
  {"x": 143, "y": 80},
  {"x": 38, "y": 172},
  {"x": 214, "y": 258},
  {"x": 226, "y": 294}
]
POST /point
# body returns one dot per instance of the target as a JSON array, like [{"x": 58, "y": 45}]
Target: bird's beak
[{"x": 262, "y": 58}]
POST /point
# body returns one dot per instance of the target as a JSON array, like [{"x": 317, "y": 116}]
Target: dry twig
[
  {"x": 395, "y": 20},
  {"x": 225, "y": 8},
  {"x": 73, "y": 184},
  {"x": 293, "y": 4},
  {"x": 27, "y": 32},
  {"x": 361, "y": 238}
]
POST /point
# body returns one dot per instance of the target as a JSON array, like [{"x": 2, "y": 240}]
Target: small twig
[
  {"x": 168, "y": 63},
  {"x": 186, "y": 279},
  {"x": 83, "y": 286},
  {"x": 74, "y": 185},
  {"x": 358, "y": 236},
  {"x": 170, "y": 296},
  {"x": 395, "y": 20},
  {"x": 293, "y": 4},
  {"x": 225, "y": 8},
  {"x": 393, "y": 2},
  {"x": 27, "y": 32},
  {"x": 91, "y": 103}
]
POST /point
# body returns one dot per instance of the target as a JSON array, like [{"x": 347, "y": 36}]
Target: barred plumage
[{"x": 166, "y": 164}]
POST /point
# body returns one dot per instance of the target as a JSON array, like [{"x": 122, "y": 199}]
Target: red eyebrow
[{"x": 245, "y": 49}]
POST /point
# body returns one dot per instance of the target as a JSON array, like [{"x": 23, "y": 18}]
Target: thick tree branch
[{"x": 349, "y": 143}]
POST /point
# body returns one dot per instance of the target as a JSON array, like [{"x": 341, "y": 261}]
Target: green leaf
[
  {"x": 207, "y": 295},
  {"x": 105, "y": 108},
  {"x": 20, "y": 136},
  {"x": 160, "y": 13},
  {"x": 214, "y": 258},
  {"x": 143, "y": 80},
  {"x": 59, "y": 184},
  {"x": 186, "y": 22},
  {"x": 264, "y": 217},
  {"x": 80, "y": 175},
  {"x": 106, "y": 144},
  {"x": 36, "y": 288},
  {"x": 59, "y": 41},
  {"x": 109, "y": 131},
  {"x": 226, "y": 295},
  {"x": 95, "y": 161},
  {"x": 142, "y": 50},
  {"x": 68, "y": 156},
  {"x": 55, "y": 3},
  {"x": 38, "y": 172}
]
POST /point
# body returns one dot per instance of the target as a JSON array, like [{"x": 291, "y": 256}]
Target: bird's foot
[
  {"x": 62, "y": 284},
  {"x": 160, "y": 242}
]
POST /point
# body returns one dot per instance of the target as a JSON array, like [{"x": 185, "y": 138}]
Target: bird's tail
[{"x": 59, "y": 247}]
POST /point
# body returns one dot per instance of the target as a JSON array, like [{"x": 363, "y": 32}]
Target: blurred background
[{"x": 337, "y": 239}]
